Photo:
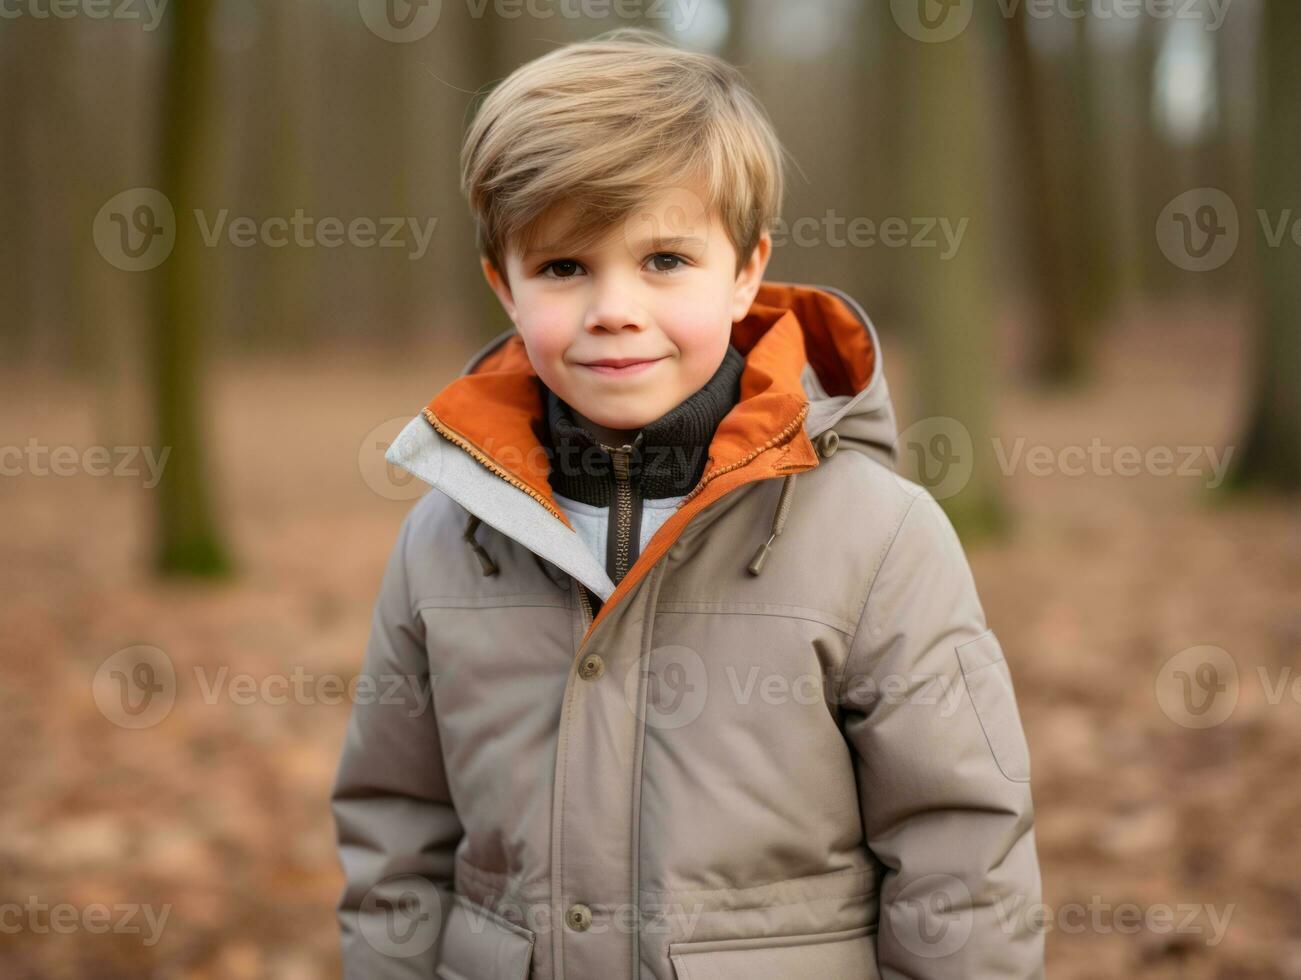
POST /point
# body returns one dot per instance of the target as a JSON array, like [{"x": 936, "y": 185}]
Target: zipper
[
  {"x": 586, "y": 605},
  {"x": 621, "y": 515}
]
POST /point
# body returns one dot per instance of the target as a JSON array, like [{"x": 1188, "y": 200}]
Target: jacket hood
[
  {"x": 813, "y": 365},
  {"x": 812, "y": 356}
]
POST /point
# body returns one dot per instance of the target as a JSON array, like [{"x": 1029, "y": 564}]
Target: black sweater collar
[{"x": 669, "y": 454}]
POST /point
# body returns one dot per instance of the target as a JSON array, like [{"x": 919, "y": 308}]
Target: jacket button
[
  {"x": 578, "y": 918},
  {"x": 591, "y": 667}
]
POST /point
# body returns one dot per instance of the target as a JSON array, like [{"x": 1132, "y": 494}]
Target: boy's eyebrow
[{"x": 665, "y": 243}]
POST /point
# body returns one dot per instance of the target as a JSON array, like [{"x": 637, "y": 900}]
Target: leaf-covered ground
[{"x": 1167, "y": 851}]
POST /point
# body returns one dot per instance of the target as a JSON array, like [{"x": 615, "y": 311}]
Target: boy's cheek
[{"x": 547, "y": 335}]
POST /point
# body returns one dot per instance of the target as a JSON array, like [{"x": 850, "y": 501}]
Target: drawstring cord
[
  {"x": 778, "y": 522},
  {"x": 826, "y": 444},
  {"x": 489, "y": 566}
]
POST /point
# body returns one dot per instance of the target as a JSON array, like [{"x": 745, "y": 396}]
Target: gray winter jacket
[{"x": 787, "y": 747}]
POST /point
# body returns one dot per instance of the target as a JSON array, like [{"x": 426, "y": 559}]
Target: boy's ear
[
  {"x": 750, "y": 276},
  {"x": 500, "y": 285}
]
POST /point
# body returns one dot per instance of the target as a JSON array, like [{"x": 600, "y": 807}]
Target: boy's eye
[
  {"x": 567, "y": 268},
  {"x": 676, "y": 259},
  {"x": 560, "y": 264}
]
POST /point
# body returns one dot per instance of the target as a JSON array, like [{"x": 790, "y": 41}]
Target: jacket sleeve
[
  {"x": 396, "y": 828},
  {"x": 943, "y": 768}
]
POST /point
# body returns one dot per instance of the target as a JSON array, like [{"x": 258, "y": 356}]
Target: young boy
[{"x": 673, "y": 677}]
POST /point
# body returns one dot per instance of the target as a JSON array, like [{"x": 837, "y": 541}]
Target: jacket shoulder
[{"x": 862, "y": 489}]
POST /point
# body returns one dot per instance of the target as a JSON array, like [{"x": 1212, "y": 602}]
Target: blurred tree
[
  {"x": 493, "y": 61},
  {"x": 1156, "y": 186},
  {"x": 1271, "y": 452},
  {"x": 188, "y": 540},
  {"x": 15, "y": 297},
  {"x": 291, "y": 49},
  {"x": 1094, "y": 281},
  {"x": 946, "y": 138},
  {"x": 1056, "y": 320},
  {"x": 874, "y": 158}
]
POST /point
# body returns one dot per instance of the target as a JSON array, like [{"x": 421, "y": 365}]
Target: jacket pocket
[
  {"x": 478, "y": 944},
  {"x": 989, "y": 683},
  {"x": 848, "y": 953}
]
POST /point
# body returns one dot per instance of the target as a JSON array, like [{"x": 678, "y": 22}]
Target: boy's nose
[{"x": 614, "y": 307}]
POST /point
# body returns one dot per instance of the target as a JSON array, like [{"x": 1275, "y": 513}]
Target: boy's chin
[{"x": 630, "y": 421}]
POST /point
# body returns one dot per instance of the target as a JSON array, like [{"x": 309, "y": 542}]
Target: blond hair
[{"x": 608, "y": 124}]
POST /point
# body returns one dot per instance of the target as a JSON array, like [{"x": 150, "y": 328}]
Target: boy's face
[{"x": 661, "y": 289}]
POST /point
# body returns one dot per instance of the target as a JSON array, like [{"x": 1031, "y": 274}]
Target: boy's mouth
[{"x": 621, "y": 366}]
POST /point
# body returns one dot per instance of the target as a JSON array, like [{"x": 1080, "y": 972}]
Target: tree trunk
[
  {"x": 1271, "y": 453},
  {"x": 1055, "y": 322},
  {"x": 188, "y": 539},
  {"x": 946, "y": 140}
]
